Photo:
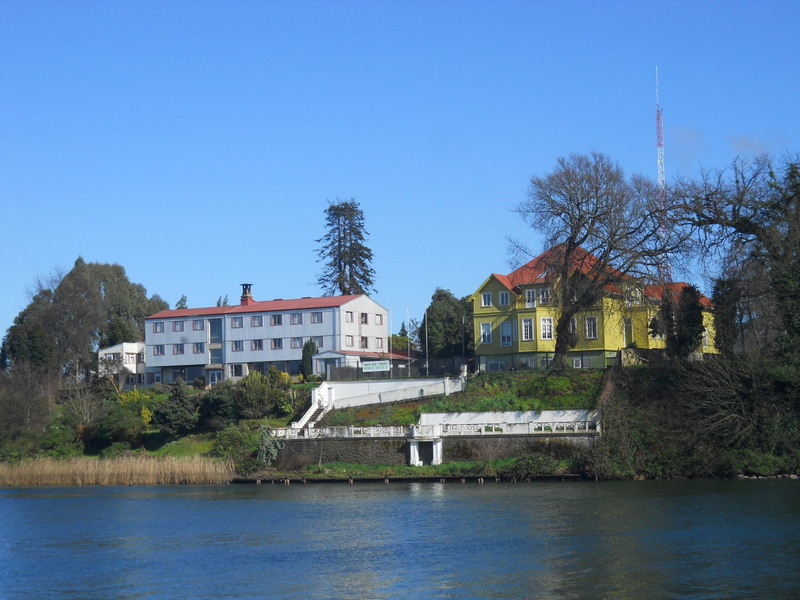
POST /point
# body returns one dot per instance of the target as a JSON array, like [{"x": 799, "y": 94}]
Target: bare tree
[
  {"x": 81, "y": 401},
  {"x": 752, "y": 209},
  {"x": 607, "y": 232}
]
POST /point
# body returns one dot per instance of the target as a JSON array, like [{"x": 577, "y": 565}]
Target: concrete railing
[
  {"x": 443, "y": 430},
  {"x": 338, "y": 394}
]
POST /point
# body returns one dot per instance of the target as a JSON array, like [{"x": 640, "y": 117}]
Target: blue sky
[{"x": 198, "y": 143}]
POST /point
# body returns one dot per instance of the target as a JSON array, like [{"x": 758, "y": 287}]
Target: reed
[{"x": 123, "y": 470}]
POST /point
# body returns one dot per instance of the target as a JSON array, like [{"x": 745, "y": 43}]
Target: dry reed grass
[{"x": 123, "y": 470}]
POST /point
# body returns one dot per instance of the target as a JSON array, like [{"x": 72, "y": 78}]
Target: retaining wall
[{"x": 394, "y": 451}]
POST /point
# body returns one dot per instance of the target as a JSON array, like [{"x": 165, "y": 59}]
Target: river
[{"x": 651, "y": 539}]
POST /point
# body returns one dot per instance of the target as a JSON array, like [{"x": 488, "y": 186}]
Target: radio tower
[{"x": 664, "y": 266}]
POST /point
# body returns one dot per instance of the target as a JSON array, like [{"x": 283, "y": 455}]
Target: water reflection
[{"x": 562, "y": 540}]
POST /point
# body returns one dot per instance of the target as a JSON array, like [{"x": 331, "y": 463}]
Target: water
[{"x": 672, "y": 539}]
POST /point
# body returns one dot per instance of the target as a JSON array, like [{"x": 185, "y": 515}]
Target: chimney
[{"x": 247, "y": 297}]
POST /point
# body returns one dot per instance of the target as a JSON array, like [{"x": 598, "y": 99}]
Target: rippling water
[{"x": 673, "y": 539}]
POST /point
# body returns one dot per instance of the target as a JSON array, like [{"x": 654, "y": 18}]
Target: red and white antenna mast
[{"x": 664, "y": 267}]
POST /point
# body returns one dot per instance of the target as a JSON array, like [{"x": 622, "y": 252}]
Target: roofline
[{"x": 305, "y": 303}]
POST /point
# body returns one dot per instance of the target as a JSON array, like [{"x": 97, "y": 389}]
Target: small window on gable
[
  {"x": 486, "y": 299},
  {"x": 503, "y": 298}
]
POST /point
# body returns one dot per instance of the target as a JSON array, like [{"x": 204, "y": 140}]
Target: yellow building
[{"x": 515, "y": 315}]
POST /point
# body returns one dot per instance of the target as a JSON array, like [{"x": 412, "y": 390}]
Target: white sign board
[{"x": 376, "y": 366}]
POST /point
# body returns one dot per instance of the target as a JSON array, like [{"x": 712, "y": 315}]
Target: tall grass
[{"x": 123, "y": 470}]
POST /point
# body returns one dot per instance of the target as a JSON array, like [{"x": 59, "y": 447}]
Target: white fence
[{"x": 444, "y": 430}]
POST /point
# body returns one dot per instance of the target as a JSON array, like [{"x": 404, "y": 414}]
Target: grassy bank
[
  {"x": 533, "y": 390},
  {"x": 123, "y": 470}
]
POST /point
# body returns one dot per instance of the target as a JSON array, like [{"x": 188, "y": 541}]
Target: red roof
[
  {"x": 539, "y": 270},
  {"x": 656, "y": 292},
  {"x": 253, "y": 307}
]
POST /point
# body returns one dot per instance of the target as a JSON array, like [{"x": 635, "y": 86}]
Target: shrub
[{"x": 238, "y": 445}]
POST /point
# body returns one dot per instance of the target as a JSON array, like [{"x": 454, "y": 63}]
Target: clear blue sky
[{"x": 197, "y": 143}]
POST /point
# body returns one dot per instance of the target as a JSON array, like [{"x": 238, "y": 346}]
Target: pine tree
[{"x": 343, "y": 251}]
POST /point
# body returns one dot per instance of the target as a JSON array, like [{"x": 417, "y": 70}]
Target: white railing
[{"x": 443, "y": 430}]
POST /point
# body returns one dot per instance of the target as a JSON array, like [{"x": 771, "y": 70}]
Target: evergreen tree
[
  {"x": 182, "y": 302},
  {"x": 309, "y": 350},
  {"x": 343, "y": 251},
  {"x": 445, "y": 325},
  {"x": 177, "y": 415},
  {"x": 680, "y": 322}
]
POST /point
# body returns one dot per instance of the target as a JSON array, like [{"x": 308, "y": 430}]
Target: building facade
[
  {"x": 126, "y": 359},
  {"x": 227, "y": 342},
  {"x": 515, "y": 316}
]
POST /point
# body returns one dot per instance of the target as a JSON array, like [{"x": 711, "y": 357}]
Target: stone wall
[
  {"x": 382, "y": 451},
  {"x": 298, "y": 453},
  {"x": 463, "y": 448}
]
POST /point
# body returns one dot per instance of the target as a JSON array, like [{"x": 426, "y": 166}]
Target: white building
[
  {"x": 227, "y": 342},
  {"x": 129, "y": 355}
]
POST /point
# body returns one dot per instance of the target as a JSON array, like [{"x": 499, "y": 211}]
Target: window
[
  {"x": 158, "y": 350},
  {"x": 486, "y": 299},
  {"x": 591, "y": 327},
  {"x": 364, "y": 319},
  {"x": 544, "y": 296},
  {"x": 215, "y": 325},
  {"x": 503, "y": 298},
  {"x": 236, "y": 370},
  {"x": 216, "y": 356},
  {"x": 316, "y": 317},
  {"x": 256, "y": 345},
  {"x": 530, "y": 298},
  {"x": 378, "y": 319},
  {"x": 348, "y": 340},
  {"x": 158, "y": 327},
  {"x": 237, "y": 322},
  {"x": 348, "y": 316},
  {"x": 296, "y": 318},
  {"x": 237, "y": 345},
  {"x": 706, "y": 341},
  {"x": 177, "y": 326},
  {"x": 573, "y": 325},
  {"x": 379, "y": 343},
  {"x": 198, "y": 325},
  {"x": 527, "y": 330},
  {"x": 276, "y": 320},
  {"x": 130, "y": 358},
  {"x": 177, "y": 348},
  {"x": 547, "y": 328},
  {"x": 363, "y": 343},
  {"x": 505, "y": 333},
  {"x": 486, "y": 333},
  {"x": 199, "y": 348},
  {"x": 297, "y": 342},
  {"x": 256, "y": 321},
  {"x": 276, "y": 343},
  {"x": 318, "y": 340}
]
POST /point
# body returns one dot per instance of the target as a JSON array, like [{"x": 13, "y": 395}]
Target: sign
[{"x": 376, "y": 366}]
